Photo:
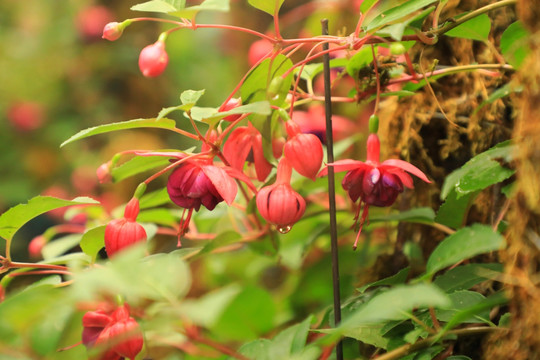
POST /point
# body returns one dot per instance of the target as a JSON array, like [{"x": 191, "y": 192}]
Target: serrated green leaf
[
  {"x": 130, "y": 124},
  {"x": 395, "y": 279},
  {"x": 137, "y": 165},
  {"x": 160, "y": 6},
  {"x": 515, "y": 44},
  {"x": 396, "y": 304},
  {"x": 190, "y": 97},
  {"x": 13, "y": 219},
  {"x": 481, "y": 171},
  {"x": 368, "y": 334},
  {"x": 268, "y": 6},
  {"x": 396, "y": 31},
  {"x": 477, "y": 28},
  {"x": 398, "y": 12},
  {"x": 93, "y": 241},
  {"x": 464, "y": 244},
  {"x": 466, "y": 276},
  {"x": 255, "y": 86}
]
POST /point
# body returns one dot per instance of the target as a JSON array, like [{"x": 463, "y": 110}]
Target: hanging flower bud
[
  {"x": 122, "y": 233},
  {"x": 36, "y": 246},
  {"x": 103, "y": 173},
  {"x": 229, "y": 105},
  {"x": 153, "y": 59},
  {"x": 112, "y": 31},
  {"x": 372, "y": 182},
  {"x": 279, "y": 204},
  {"x": 304, "y": 151}
]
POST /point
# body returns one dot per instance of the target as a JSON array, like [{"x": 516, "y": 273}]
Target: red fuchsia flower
[
  {"x": 153, "y": 59},
  {"x": 243, "y": 142},
  {"x": 118, "y": 334},
  {"x": 303, "y": 151},
  {"x": 124, "y": 232},
  {"x": 112, "y": 31},
  {"x": 198, "y": 182},
  {"x": 229, "y": 105},
  {"x": 372, "y": 182},
  {"x": 279, "y": 204}
]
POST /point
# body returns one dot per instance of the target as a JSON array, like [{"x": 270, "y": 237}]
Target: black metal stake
[{"x": 331, "y": 189}]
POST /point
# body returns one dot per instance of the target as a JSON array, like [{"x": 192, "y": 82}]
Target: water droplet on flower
[{"x": 284, "y": 230}]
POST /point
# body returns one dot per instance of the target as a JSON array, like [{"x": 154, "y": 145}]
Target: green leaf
[
  {"x": 223, "y": 239},
  {"x": 466, "y": 276},
  {"x": 259, "y": 107},
  {"x": 160, "y": 216},
  {"x": 463, "y": 299},
  {"x": 190, "y": 97},
  {"x": 515, "y": 44},
  {"x": 46, "y": 333},
  {"x": 255, "y": 87},
  {"x": 360, "y": 60},
  {"x": 464, "y": 244},
  {"x": 291, "y": 340},
  {"x": 453, "y": 211},
  {"x": 477, "y": 28},
  {"x": 368, "y": 334},
  {"x": 481, "y": 171},
  {"x": 160, "y": 6},
  {"x": 396, "y": 304},
  {"x": 268, "y": 6},
  {"x": 419, "y": 215},
  {"x": 13, "y": 219},
  {"x": 366, "y": 5},
  {"x": 93, "y": 241},
  {"x": 206, "y": 310},
  {"x": 130, "y": 124},
  {"x": 248, "y": 316},
  {"x": 396, "y": 31},
  {"x": 137, "y": 165},
  {"x": 474, "y": 309},
  {"x": 60, "y": 246},
  {"x": 258, "y": 349},
  {"x": 155, "y": 198},
  {"x": 396, "y": 279},
  {"x": 192, "y": 11},
  {"x": 398, "y": 12},
  {"x": 500, "y": 93}
]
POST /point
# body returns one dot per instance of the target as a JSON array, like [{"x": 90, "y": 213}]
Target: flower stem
[{"x": 331, "y": 189}]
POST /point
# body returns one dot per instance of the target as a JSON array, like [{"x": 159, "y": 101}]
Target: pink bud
[
  {"x": 258, "y": 50},
  {"x": 112, "y": 31},
  {"x": 153, "y": 59},
  {"x": 91, "y": 20},
  {"x": 36, "y": 245},
  {"x": 26, "y": 115},
  {"x": 103, "y": 173},
  {"x": 122, "y": 233},
  {"x": 229, "y": 105},
  {"x": 305, "y": 154}
]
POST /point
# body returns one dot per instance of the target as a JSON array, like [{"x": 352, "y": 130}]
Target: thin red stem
[{"x": 175, "y": 164}]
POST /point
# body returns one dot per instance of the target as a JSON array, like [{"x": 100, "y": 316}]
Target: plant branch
[{"x": 453, "y": 24}]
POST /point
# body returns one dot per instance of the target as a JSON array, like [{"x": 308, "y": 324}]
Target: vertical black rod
[{"x": 331, "y": 189}]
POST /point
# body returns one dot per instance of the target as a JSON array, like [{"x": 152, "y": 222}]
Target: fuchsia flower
[
  {"x": 116, "y": 331},
  {"x": 372, "y": 182},
  {"x": 243, "y": 141},
  {"x": 198, "y": 182},
  {"x": 279, "y": 204},
  {"x": 153, "y": 59},
  {"x": 303, "y": 151},
  {"x": 124, "y": 232}
]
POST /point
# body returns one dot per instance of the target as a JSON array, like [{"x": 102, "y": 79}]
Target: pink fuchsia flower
[
  {"x": 153, "y": 59},
  {"x": 124, "y": 232},
  {"x": 198, "y": 182},
  {"x": 243, "y": 142},
  {"x": 372, "y": 182},
  {"x": 279, "y": 204},
  {"x": 118, "y": 334},
  {"x": 303, "y": 151}
]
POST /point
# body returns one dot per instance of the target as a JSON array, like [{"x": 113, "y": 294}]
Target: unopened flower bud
[
  {"x": 124, "y": 232},
  {"x": 112, "y": 31},
  {"x": 104, "y": 173},
  {"x": 153, "y": 59},
  {"x": 304, "y": 152}
]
